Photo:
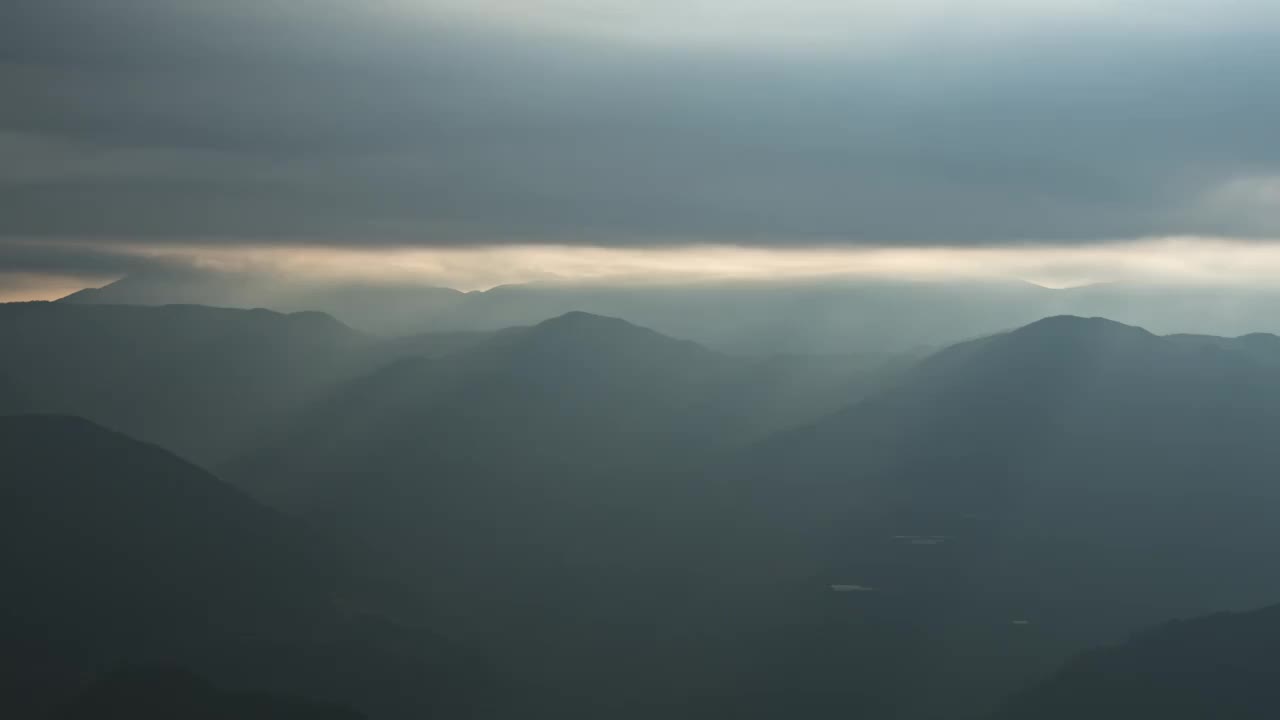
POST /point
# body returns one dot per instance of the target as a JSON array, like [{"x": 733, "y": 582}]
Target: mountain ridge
[
  {"x": 120, "y": 552},
  {"x": 819, "y": 316},
  {"x": 1219, "y": 665}
]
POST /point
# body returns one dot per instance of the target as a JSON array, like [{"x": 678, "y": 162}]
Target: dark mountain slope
[
  {"x": 213, "y": 383},
  {"x": 523, "y": 487},
  {"x": 528, "y": 435},
  {"x": 1077, "y": 476},
  {"x": 13, "y": 400},
  {"x": 575, "y": 394},
  {"x": 204, "y": 381},
  {"x": 1220, "y": 666},
  {"x": 114, "y": 551},
  {"x": 571, "y": 387},
  {"x": 982, "y": 433}
]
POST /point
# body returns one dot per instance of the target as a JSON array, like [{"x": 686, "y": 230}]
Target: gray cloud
[
  {"x": 305, "y": 120},
  {"x": 54, "y": 258}
]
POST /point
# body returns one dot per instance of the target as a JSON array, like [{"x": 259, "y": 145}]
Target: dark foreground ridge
[
  {"x": 1220, "y": 666},
  {"x": 118, "y": 552}
]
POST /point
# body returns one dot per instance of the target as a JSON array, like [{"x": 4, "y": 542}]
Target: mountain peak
[
  {"x": 586, "y": 321},
  {"x": 1063, "y": 331},
  {"x": 1077, "y": 325},
  {"x": 582, "y": 334},
  {"x": 1050, "y": 341},
  {"x": 578, "y": 326}
]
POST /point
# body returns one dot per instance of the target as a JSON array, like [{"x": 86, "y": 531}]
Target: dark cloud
[
  {"x": 51, "y": 258},
  {"x": 314, "y": 119}
]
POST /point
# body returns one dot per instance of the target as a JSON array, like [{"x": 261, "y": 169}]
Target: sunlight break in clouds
[
  {"x": 19, "y": 286},
  {"x": 1168, "y": 261},
  {"x": 802, "y": 22}
]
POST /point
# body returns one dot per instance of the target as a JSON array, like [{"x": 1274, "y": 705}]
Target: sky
[{"x": 473, "y": 142}]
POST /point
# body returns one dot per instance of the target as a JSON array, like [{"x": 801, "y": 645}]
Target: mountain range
[
  {"x": 1018, "y": 495},
  {"x": 201, "y": 381},
  {"x": 214, "y": 383},
  {"x": 999, "y": 497},
  {"x": 762, "y": 318},
  {"x": 618, "y": 522}
]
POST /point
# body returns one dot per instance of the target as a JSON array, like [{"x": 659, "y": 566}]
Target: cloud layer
[
  {"x": 45, "y": 269},
  {"x": 626, "y": 124}
]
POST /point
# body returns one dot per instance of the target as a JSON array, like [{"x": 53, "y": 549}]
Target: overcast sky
[{"x": 646, "y": 125}]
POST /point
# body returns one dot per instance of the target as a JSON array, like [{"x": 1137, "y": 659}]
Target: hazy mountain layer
[
  {"x": 203, "y": 381},
  {"x": 117, "y": 552},
  {"x": 1003, "y": 504},
  {"x": 789, "y": 536},
  {"x": 840, "y": 316},
  {"x": 558, "y": 430},
  {"x": 1020, "y": 496},
  {"x": 213, "y": 383}
]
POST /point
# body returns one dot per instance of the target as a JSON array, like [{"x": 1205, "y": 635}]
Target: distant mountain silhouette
[
  {"x": 213, "y": 383},
  {"x": 644, "y": 388},
  {"x": 380, "y": 308},
  {"x": 826, "y": 316},
  {"x": 529, "y": 408},
  {"x": 115, "y": 551},
  {"x": 168, "y": 693},
  {"x": 1220, "y": 666},
  {"x": 203, "y": 381}
]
